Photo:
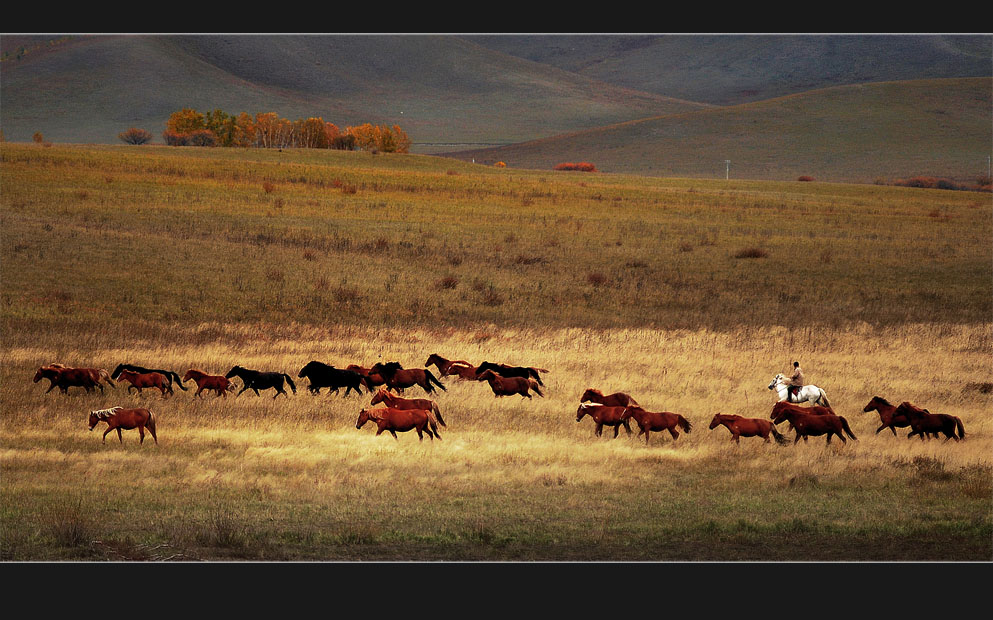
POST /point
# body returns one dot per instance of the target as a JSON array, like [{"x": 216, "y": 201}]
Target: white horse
[{"x": 808, "y": 393}]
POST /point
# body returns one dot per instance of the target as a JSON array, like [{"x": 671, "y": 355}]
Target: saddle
[{"x": 792, "y": 391}]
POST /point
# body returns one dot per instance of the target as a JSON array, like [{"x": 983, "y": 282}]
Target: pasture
[{"x": 688, "y": 295}]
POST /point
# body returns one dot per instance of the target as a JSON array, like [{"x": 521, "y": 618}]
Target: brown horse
[
  {"x": 65, "y": 377},
  {"x": 810, "y": 424},
  {"x": 787, "y": 406},
  {"x": 372, "y": 379},
  {"x": 398, "y": 378},
  {"x": 887, "y": 414},
  {"x": 220, "y": 384},
  {"x": 118, "y": 418},
  {"x": 142, "y": 380},
  {"x": 604, "y": 415},
  {"x": 459, "y": 368},
  {"x": 617, "y": 399},
  {"x": 507, "y": 386},
  {"x": 747, "y": 427},
  {"x": 923, "y": 421},
  {"x": 400, "y": 420},
  {"x": 396, "y": 402},
  {"x": 657, "y": 421}
]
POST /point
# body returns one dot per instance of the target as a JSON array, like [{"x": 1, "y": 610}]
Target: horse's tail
[
  {"x": 431, "y": 379},
  {"x": 534, "y": 385},
  {"x": 533, "y": 372},
  {"x": 848, "y": 429},
  {"x": 958, "y": 424},
  {"x": 684, "y": 423},
  {"x": 434, "y": 424},
  {"x": 179, "y": 382},
  {"x": 779, "y": 437},
  {"x": 437, "y": 413},
  {"x": 823, "y": 398},
  {"x": 106, "y": 377},
  {"x": 290, "y": 381},
  {"x": 151, "y": 421}
]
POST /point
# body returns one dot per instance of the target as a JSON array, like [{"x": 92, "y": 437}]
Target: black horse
[
  {"x": 256, "y": 380},
  {"x": 511, "y": 371},
  {"x": 322, "y": 375},
  {"x": 170, "y": 375}
]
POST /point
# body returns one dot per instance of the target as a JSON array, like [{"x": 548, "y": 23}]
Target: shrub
[
  {"x": 596, "y": 278},
  {"x": 581, "y": 166},
  {"x": 805, "y": 178},
  {"x": 135, "y": 136},
  {"x": 38, "y": 138},
  {"x": 500, "y": 164},
  {"x": 751, "y": 253}
]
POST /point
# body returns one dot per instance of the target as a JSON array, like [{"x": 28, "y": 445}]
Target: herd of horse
[{"x": 423, "y": 415}]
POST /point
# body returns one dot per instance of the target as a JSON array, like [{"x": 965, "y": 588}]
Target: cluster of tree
[
  {"x": 268, "y": 130},
  {"x": 582, "y": 166}
]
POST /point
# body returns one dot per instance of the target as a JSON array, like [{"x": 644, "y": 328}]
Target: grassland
[{"x": 186, "y": 258}]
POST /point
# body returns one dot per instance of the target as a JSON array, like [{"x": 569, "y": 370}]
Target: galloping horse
[
  {"x": 617, "y": 399},
  {"x": 140, "y": 381},
  {"x": 256, "y": 380},
  {"x": 747, "y": 427},
  {"x": 604, "y": 415},
  {"x": 887, "y": 414},
  {"x": 807, "y": 424},
  {"x": 399, "y": 379},
  {"x": 396, "y": 402},
  {"x": 372, "y": 379},
  {"x": 322, "y": 375},
  {"x": 657, "y": 421},
  {"x": 460, "y": 368},
  {"x": 170, "y": 375},
  {"x": 65, "y": 377},
  {"x": 808, "y": 393},
  {"x": 400, "y": 420},
  {"x": 118, "y": 418},
  {"x": 221, "y": 385},
  {"x": 506, "y": 386},
  {"x": 527, "y": 372},
  {"x": 923, "y": 421}
]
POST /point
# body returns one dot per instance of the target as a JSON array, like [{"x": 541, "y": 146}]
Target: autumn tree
[
  {"x": 135, "y": 136},
  {"x": 185, "y": 121}
]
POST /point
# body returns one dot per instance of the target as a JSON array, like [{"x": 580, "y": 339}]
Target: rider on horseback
[{"x": 796, "y": 381}]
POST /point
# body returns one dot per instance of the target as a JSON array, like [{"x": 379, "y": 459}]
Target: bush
[
  {"x": 805, "y": 178},
  {"x": 751, "y": 253},
  {"x": 581, "y": 166},
  {"x": 135, "y": 136}
]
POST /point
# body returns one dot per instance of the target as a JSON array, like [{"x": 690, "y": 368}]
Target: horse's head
[
  {"x": 775, "y": 381},
  {"x": 306, "y": 370},
  {"x": 718, "y": 419},
  {"x": 582, "y": 411},
  {"x": 433, "y": 359},
  {"x": 486, "y": 375},
  {"x": 190, "y": 374},
  {"x": 39, "y": 375},
  {"x": 875, "y": 403},
  {"x": 235, "y": 370},
  {"x": 364, "y": 416},
  {"x": 380, "y": 397},
  {"x": 94, "y": 419},
  {"x": 590, "y": 394},
  {"x": 387, "y": 370}
]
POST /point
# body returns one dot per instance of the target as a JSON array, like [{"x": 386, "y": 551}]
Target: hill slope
[
  {"x": 438, "y": 88},
  {"x": 734, "y": 69},
  {"x": 853, "y": 133}
]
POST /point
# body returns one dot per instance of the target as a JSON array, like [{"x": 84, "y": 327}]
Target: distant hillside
[
  {"x": 440, "y": 89},
  {"x": 851, "y": 133},
  {"x": 733, "y": 69}
]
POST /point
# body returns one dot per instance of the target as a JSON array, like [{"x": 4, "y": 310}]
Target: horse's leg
[
  {"x": 394, "y": 433},
  {"x": 736, "y": 438},
  {"x": 617, "y": 427},
  {"x": 674, "y": 433},
  {"x": 599, "y": 429},
  {"x": 119, "y": 437},
  {"x": 627, "y": 426},
  {"x": 141, "y": 434},
  {"x": 647, "y": 433},
  {"x": 109, "y": 428}
]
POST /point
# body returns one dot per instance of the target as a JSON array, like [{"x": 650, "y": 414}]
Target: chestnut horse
[
  {"x": 400, "y": 420},
  {"x": 747, "y": 427},
  {"x": 887, "y": 414},
  {"x": 507, "y": 386},
  {"x": 657, "y": 421},
  {"x": 808, "y": 424},
  {"x": 221, "y": 385},
  {"x": 923, "y": 421},
  {"x": 785, "y": 406},
  {"x": 140, "y": 381},
  {"x": 170, "y": 375},
  {"x": 459, "y": 368},
  {"x": 65, "y": 377},
  {"x": 397, "y": 378},
  {"x": 604, "y": 415},
  {"x": 617, "y": 399},
  {"x": 118, "y": 418},
  {"x": 527, "y": 372},
  {"x": 396, "y": 402}
]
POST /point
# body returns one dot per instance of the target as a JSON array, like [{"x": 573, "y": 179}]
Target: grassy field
[{"x": 689, "y": 295}]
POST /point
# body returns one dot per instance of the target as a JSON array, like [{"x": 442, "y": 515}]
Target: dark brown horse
[
  {"x": 617, "y": 399},
  {"x": 400, "y": 421},
  {"x": 810, "y": 424},
  {"x": 396, "y": 402},
  {"x": 220, "y": 384},
  {"x": 65, "y": 377},
  {"x": 604, "y": 415},
  {"x": 923, "y": 421},
  {"x": 459, "y": 368},
  {"x": 887, "y": 414},
  {"x": 657, "y": 421},
  {"x": 787, "y": 406},
  {"x": 141, "y": 380},
  {"x": 507, "y": 386},
  {"x": 118, "y": 418},
  {"x": 505, "y": 370},
  {"x": 747, "y": 427},
  {"x": 398, "y": 378}
]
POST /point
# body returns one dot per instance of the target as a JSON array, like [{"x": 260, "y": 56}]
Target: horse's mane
[
  {"x": 106, "y": 413},
  {"x": 883, "y": 400}
]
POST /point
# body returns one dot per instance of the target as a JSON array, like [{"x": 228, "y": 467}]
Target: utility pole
[{"x": 727, "y": 170}]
